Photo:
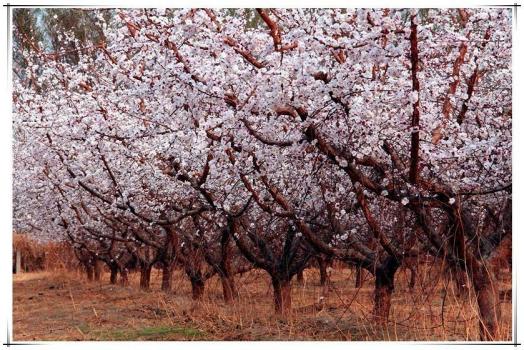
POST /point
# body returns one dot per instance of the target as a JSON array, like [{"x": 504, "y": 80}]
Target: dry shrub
[
  {"x": 60, "y": 255},
  {"x": 43, "y": 255}
]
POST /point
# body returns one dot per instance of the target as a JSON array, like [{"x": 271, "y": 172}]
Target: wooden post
[{"x": 18, "y": 264}]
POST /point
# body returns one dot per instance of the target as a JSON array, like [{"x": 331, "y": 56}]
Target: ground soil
[{"x": 65, "y": 306}]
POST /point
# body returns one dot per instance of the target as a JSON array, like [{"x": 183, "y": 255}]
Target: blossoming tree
[{"x": 366, "y": 135}]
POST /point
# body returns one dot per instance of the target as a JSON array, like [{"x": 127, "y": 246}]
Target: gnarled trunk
[
  {"x": 478, "y": 271},
  {"x": 197, "y": 288},
  {"x": 384, "y": 286},
  {"x": 487, "y": 294},
  {"x": 282, "y": 295},
  {"x": 489, "y": 308},
  {"x": 229, "y": 288},
  {"x": 225, "y": 272},
  {"x": 484, "y": 284}
]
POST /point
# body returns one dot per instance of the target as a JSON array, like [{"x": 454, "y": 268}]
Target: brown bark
[
  {"x": 229, "y": 288},
  {"x": 227, "y": 277},
  {"x": 213, "y": 18},
  {"x": 282, "y": 296},
  {"x": 273, "y": 27},
  {"x": 89, "y": 271},
  {"x": 359, "y": 278},
  {"x": 447, "y": 106},
  {"x": 197, "y": 288},
  {"x": 322, "y": 267},
  {"x": 382, "y": 303},
  {"x": 167, "y": 277},
  {"x": 489, "y": 308},
  {"x": 461, "y": 281},
  {"x": 243, "y": 52},
  {"x": 464, "y": 16},
  {"x": 484, "y": 285},
  {"x": 114, "y": 274},
  {"x": 483, "y": 282},
  {"x": 412, "y": 278},
  {"x": 384, "y": 286},
  {"x": 487, "y": 295},
  {"x": 97, "y": 270},
  {"x": 415, "y": 118},
  {"x": 145, "y": 277},
  {"x": 124, "y": 280},
  {"x": 472, "y": 81}
]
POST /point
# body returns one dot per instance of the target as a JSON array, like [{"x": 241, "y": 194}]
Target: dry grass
[
  {"x": 43, "y": 255},
  {"x": 64, "y": 306}
]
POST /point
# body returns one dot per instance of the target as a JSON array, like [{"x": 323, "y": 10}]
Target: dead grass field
[{"x": 64, "y": 306}]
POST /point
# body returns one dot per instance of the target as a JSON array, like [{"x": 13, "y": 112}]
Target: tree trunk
[
  {"x": 488, "y": 301},
  {"x": 89, "y": 271},
  {"x": 167, "y": 277},
  {"x": 460, "y": 278},
  {"x": 124, "y": 280},
  {"x": 483, "y": 282},
  {"x": 225, "y": 272},
  {"x": 197, "y": 288},
  {"x": 359, "y": 278},
  {"x": 462, "y": 282},
  {"x": 384, "y": 286},
  {"x": 98, "y": 269},
  {"x": 412, "y": 278},
  {"x": 282, "y": 296},
  {"x": 229, "y": 288},
  {"x": 489, "y": 308},
  {"x": 145, "y": 276},
  {"x": 114, "y": 274},
  {"x": 322, "y": 267}
]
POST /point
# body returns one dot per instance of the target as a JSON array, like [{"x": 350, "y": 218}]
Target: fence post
[{"x": 18, "y": 264}]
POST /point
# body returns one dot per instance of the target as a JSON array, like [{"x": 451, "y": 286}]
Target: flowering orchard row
[{"x": 223, "y": 140}]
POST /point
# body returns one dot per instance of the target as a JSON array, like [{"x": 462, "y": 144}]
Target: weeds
[{"x": 43, "y": 310}]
